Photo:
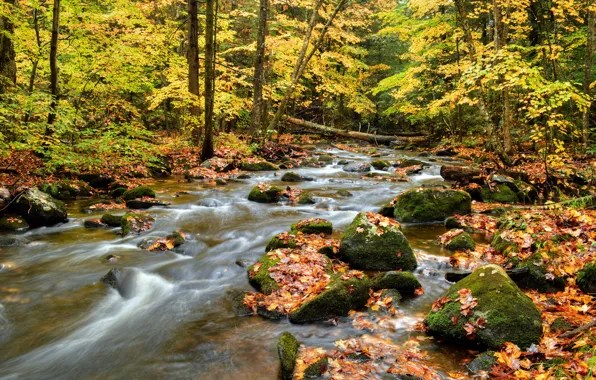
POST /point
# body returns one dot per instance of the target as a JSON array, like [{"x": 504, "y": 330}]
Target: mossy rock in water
[
  {"x": 404, "y": 282},
  {"x": 13, "y": 223},
  {"x": 365, "y": 245},
  {"x": 177, "y": 237},
  {"x": 313, "y": 226},
  {"x": 483, "y": 362},
  {"x": 537, "y": 277},
  {"x": 380, "y": 164},
  {"x": 586, "y": 278},
  {"x": 316, "y": 369},
  {"x": 295, "y": 177},
  {"x": 357, "y": 167},
  {"x": 325, "y": 158},
  {"x": 138, "y": 192},
  {"x": 387, "y": 210},
  {"x": 461, "y": 242},
  {"x": 287, "y": 350},
  {"x": 452, "y": 222},
  {"x": 66, "y": 189},
  {"x": 39, "y": 208},
  {"x": 431, "y": 205},
  {"x": 111, "y": 220},
  {"x": 277, "y": 243},
  {"x": 118, "y": 192},
  {"x": 265, "y": 194},
  {"x": 410, "y": 162},
  {"x": 339, "y": 298},
  {"x": 501, "y": 193},
  {"x": 306, "y": 199},
  {"x": 133, "y": 223},
  {"x": 509, "y": 315},
  {"x": 258, "y": 275},
  {"x": 262, "y": 166},
  {"x": 343, "y": 193}
]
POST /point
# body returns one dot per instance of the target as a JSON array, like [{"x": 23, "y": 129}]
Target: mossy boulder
[
  {"x": 316, "y": 369},
  {"x": 39, "y": 208},
  {"x": 366, "y": 245},
  {"x": 344, "y": 193},
  {"x": 138, "y": 192},
  {"x": 431, "y": 205},
  {"x": 66, "y": 189},
  {"x": 501, "y": 193},
  {"x": 133, "y": 223},
  {"x": 452, "y": 222},
  {"x": 404, "y": 282},
  {"x": 306, "y": 198},
  {"x": 118, "y": 192},
  {"x": 111, "y": 220},
  {"x": 93, "y": 223},
  {"x": 258, "y": 274},
  {"x": 339, "y": 298},
  {"x": 265, "y": 194},
  {"x": 461, "y": 242},
  {"x": 410, "y": 162},
  {"x": 287, "y": 350},
  {"x": 586, "y": 278},
  {"x": 502, "y": 245},
  {"x": 537, "y": 277},
  {"x": 380, "y": 164},
  {"x": 387, "y": 210},
  {"x": 509, "y": 315},
  {"x": 325, "y": 158},
  {"x": 483, "y": 362},
  {"x": 276, "y": 243},
  {"x": 13, "y": 223},
  {"x": 177, "y": 238},
  {"x": 261, "y": 166},
  {"x": 295, "y": 177},
  {"x": 313, "y": 226}
]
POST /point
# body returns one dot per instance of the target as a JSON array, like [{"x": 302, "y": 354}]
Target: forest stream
[{"x": 174, "y": 319}]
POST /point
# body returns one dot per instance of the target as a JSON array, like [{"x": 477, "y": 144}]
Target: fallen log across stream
[{"x": 403, "y": 137}]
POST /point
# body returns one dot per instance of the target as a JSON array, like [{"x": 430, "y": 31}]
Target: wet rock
[
  {"x": 118, "y": 192},
  {"x": 287, "y": 350},
  {"x": 258, "y": 275},
  {"x": 306, "y": 199},
  {"x": 39, "y": 208},
  {"x": 269, "y": 314},
  {"x": 404, "y": 282},
  {"x": 586, "y": 278},
  {"x": 138, "y": 192},
  {"x": 243, "y": 263},
  {"x": 112, "y": 220},
  {"x": 357, "y": 167},
  {"x": 210, "y": 202},
  {"x": 508, "y": 314},
  {"x": 339, "y": 298},
  {"x": 13, "y": 223},
  {"x": 276, "y": 243},
  {"x": 244, "y": 176},
  {"x": 461, "y": 242},
  {"x": 344, "y": 193},
  {"x": 411, "y": 162},
  {"x": 258, "y": 166},
  {"x": 264, "y": 193},
  {"x": 344, "y": 162},
  {"x": 217, "y": 164},
  {"x": 143, "y": 204},
  {"x": 501, "y": 193},
  {"x": 380, "y": 164},
  {"x": 538, "y": 277},
  {"x": 482, "y": 362},
  {"x": 134, "y": 223},
  {"x": 313, "y": 226},
  {"x": 431, "y": 205},
  {"x": 452, "y": 222},
  {"x": 387, "y": 210},
  {"x": 177, "y": 238},
  {"x": 295, "y": 177},
  {"x": 317, "y": 368},
  {"x": 93, "y": 223},
  {"x": 112, "y": 258},
  {"x": 65, "y": 190},
  {"x": 220, "y": 182},
  {"x": 325, "y": 158},
  {"x": 113, "y": 277},
  {"x": 238, "y": 305},
  {"x": 365, "y": 245},
  {"x": 10, "y": 241}
]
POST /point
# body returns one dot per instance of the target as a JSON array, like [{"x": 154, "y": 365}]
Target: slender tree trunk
[
  {"x": 207, "y": 151},
  {"x": 35, "y": 63},
  {"x": 193, "y": 69},
  {"x": 54, "y": 64},
  {"x": 501, "y": 30},
  {"x": 258, "y": 79},
  {"x": 590, "y": 39},
  {"x": 8, "y": 67}
]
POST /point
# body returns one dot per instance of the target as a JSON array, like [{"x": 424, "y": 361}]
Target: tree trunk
[
  {"x": 193, "y": 69},
  {"x": 207, "y": 151},
  {"x": 8, "y": 67},
  {"x": 258, "y": 79},
  {"x": 54, "y": 64},
  {"x": 501, "y": 30},
  {"x": 590, "y": 38},
  {"x": 35, "y": 63}
]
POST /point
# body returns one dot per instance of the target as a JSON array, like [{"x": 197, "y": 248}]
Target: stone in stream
[
  {"x": 258, "y": 166},
  {"x": 483, "y": 362},
  {"x": 112, "y": 220},
  {"x": 138, "y": 192},
  {"x": 313, "y": 226},
  {"x": 431, "y": 205},
  {"x": 295, "y": 177},
  {"x": 387, "y": 210},
  {"x": 486, "y": 307},
  {"x": 13, "y": 223},
  {"x": 357, "y": 167},
  {"x": 265, "y": 193},
  {"x": 143, "y": 204},
  {"x": 210, "y": 202},
  {"x": 404, "y": 282},
  {"x": 278, "y": 242},
  {"x": 306, "y": 198},
  {"x": 411, "y": 162},
  {"x": 10, "y": 241},
  {"x": 66, "y": 189},
  {"x": 374, "y": 242},
  {"x": 93, "y": 223},
  {"x": 238, "y": 305},
  {"x": 132, "y": 223},
  {"x": 118, "y": 192},
  {"x": 325, "y": 158},
  {"x": 380, "y": 164},
  {"x": 287, "y": 350},
  {"x": 586, "y": 278},
  {"x": 39, "y": 208},
  {"x": 461, "y": 242},
  {"x": 344, "y": 193}
]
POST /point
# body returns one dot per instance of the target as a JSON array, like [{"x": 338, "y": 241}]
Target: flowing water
[{"x": 175, "y": 318}]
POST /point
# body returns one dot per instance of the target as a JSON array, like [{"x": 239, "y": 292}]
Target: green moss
[
  {"x": 461, "y": 242},
  {"x": 270, "y": 195},
  {"x": 560, "y": 325},
  {"x": 380, "y": 164},
  {"x": 325, "y": 158},
  {"x": 177, "y": 237},
  {"x": 536, "y": 278},
  {"x": 258, "y": 166},
  {"x": 13, "y": 223},
  {"x": 138, "y": 192},
  {"x": 340, "y": 297},
  {"x": 452, "y": 222},
  {"x": 343, "y": 193},
  {"x": 586, "y": 278},
  {"x": 276, "y": 243},
  {"x": 510, "y": 315},
  {"x": 405, "y": 282},
  {"x": 128, "y": 220},
  {"x": 306, "y": 199},
  {"x": 111, "y": 220},
  {"x": 363, "y": 247},
  {"x": 66, "y": 189},
  {"x": 502, "y": 245},
  {"x": 118, "y": 192},
  {"x": 287, "y": 350},
  {"x": 501, "y": 193},
  {"x": 261, "y": 279},
  {"x": 431, "y": 205},
  {"x": 317, "y": 368},
  {"x": 294, "y": 177},
  {"x": 317, "y": 226}
]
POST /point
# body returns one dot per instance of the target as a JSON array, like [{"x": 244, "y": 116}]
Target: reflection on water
[{"x": 175, "y": 319}]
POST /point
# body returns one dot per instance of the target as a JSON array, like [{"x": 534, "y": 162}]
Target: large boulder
[
  {"x": 486, "y": 307},
  {"x": 374, "y": 242},
  {"x": 39, "y": 208},
  {"x": 287, "y": 350},
  {"x": 339, "y": 298},
  {"x": 461, "y": 242},
  {"x": 265, "y": 193},
  {"x": 586, "y": 278},
  {"x": 431, "y": 205},
  {"x": 500, "y": 193},
  {"x": 295, "y": 177}
]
